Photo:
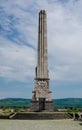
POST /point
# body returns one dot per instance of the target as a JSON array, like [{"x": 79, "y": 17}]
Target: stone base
[
  {"x": 41, "y": 116},
  {"x": 49, "y": 107},
  {"x": 34, "y": 107}
]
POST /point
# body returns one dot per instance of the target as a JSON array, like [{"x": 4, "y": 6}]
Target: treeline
[
  {"x": 14, "y": 103},
  {"x": 68, "y": 103},
  {"x": 13, "y": 107},
  {"x": 25, "y": 103}
]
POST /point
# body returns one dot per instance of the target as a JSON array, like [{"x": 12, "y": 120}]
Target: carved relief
[
  {"x": 41, "y": 88},
  {"x": 42, "y": 84}
]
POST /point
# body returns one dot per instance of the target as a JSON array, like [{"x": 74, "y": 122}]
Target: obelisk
[{"x": 41, "y": 99}]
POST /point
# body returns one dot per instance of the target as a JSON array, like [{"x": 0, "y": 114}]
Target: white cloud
[
  {"x": 65, "y": 45},
  {"x": 64, "y": 39},
  {"x": 16, "y": 62}
]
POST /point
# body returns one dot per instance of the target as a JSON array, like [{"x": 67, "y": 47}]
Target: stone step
[{"x": 41, "y": 116}]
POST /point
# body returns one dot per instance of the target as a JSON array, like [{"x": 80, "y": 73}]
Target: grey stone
[{"x": 41, "y": 93}]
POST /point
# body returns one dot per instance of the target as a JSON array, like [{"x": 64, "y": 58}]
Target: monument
[
  {"x": 41, "y": 105},
  {"x": 41, "y": 99}
]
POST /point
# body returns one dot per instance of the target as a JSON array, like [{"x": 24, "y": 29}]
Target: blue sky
[{"x": 18, "y": 47}]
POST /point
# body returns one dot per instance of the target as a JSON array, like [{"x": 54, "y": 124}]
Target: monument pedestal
[
  {"x": 35, "y": 106},
  {"x": 49, "y": 106}
]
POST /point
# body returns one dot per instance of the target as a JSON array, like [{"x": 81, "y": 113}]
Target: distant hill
[
  {"x": 24, "y": 103},
  {"x": 14, "y": 102},
  {"x": 68, "y": 103}
]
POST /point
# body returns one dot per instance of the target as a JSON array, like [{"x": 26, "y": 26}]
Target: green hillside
[
  {"x": 24, "y": 103},
  {"x": 68, "y": 103},
  {"x": 14, "y": 103}
]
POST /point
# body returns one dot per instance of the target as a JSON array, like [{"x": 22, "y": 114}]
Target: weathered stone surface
[
  {"x": 34, "y": 106},
  {"x": 41, "y": 91},
  {"x": 41, "y": 116},
  {"x": 49, "y": 106}
]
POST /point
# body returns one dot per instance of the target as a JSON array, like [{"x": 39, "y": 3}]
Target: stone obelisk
[{"x": 41, "y": 99}]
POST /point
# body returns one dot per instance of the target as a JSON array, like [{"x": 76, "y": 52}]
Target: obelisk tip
[{"x": 42, "y": 11}]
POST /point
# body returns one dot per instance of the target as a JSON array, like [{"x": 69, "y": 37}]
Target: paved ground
[{"x": 40, "y": 125}]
